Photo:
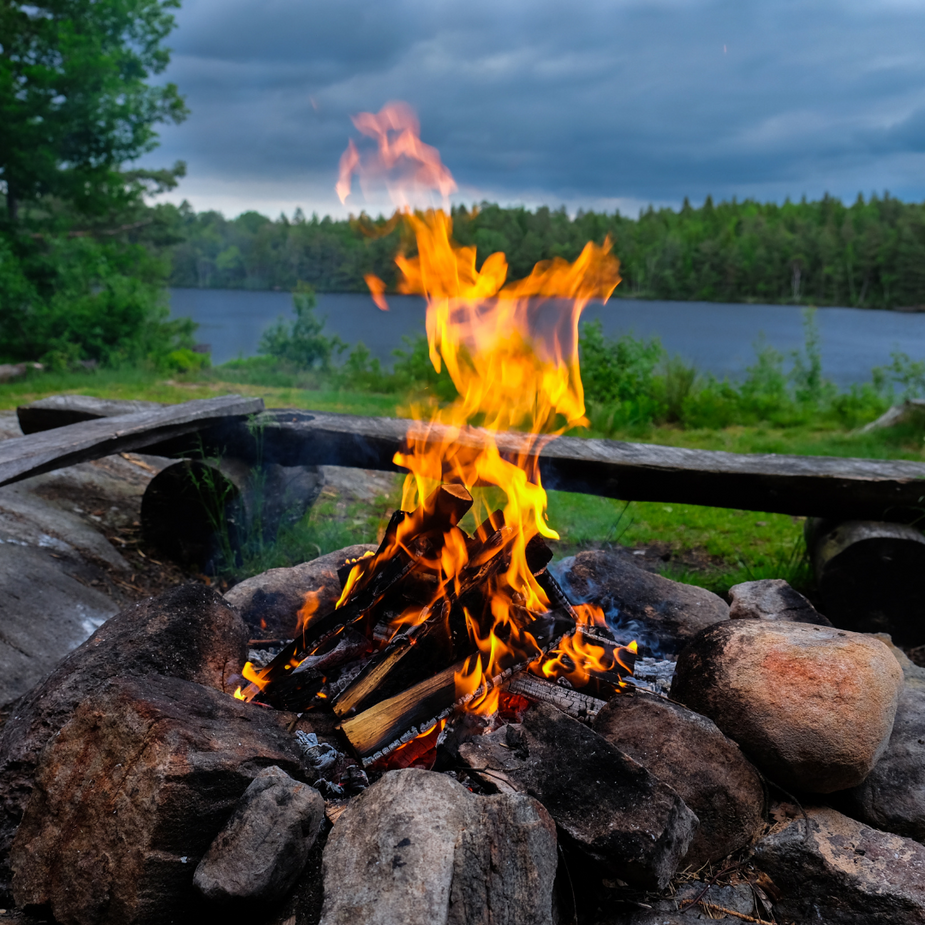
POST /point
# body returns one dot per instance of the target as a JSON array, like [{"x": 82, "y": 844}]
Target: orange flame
[
  {"x": 397, "y": 131},
  {"x": 511, "y": 373}
]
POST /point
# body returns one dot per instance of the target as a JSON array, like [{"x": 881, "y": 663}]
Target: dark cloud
[{"x": 584, "y": 103}]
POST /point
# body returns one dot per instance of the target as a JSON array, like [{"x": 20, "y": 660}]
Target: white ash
[
  {"x": 319, "y": 756},
  {"x": 347, "y": 675},
  {"x": 653, "y": 674},
  {"x": 260, "y": 658}
]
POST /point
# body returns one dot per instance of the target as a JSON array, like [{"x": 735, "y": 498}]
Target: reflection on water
[{"x": 718, "y": 338}]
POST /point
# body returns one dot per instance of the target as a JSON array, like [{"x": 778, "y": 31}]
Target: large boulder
[
  {"x": 662, "y": 614},
  {"x": 811, "y": 706},
  {"x": 688, "y": 752},
  {"x": 892, "y": 796},
  {"x": 832, "y": 870},
  {"x": 420, "y": 849},
  {"x": 270, "y": 602},
  {"x": 131, "y": 792},
  {"x": 608, "y": 807},
  {"x": 187, "y": 633}
]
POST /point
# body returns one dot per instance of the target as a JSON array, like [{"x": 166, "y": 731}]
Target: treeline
[{"x": 870, "y": 254}]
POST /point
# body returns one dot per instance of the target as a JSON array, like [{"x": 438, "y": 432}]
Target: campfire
[{"x": 458, "y": 598}]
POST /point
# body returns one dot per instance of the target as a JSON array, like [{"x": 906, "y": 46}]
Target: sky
[{"x": 593, "y": 104}]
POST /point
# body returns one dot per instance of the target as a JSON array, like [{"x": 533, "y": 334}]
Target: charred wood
[{"x": 390, "y": 723}]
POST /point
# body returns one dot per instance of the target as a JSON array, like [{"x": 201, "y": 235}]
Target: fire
[{"x": 510, "y": 372}]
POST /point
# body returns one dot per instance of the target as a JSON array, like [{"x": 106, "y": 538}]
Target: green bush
[
  {"x": 300, "y": 344},
  {"x": 633, "y": 383},
  {"x": 185, "y": 361},
  {"x": 66, "y": 300}
]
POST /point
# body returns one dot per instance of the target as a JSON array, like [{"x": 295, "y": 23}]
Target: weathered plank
[
  {"x": 61, "y": 410},
  {"x": 21, "y": 457},
  {"x": 821, "y": 486}
]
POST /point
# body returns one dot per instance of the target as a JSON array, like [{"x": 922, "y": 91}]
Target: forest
[{"x": 869, "y": 254}]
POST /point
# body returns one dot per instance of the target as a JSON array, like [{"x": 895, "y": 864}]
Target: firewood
[
  {"x": 378, "y": 574},
  {"x": 390, "y": 723},
  {"x": 538, "y": 690}
]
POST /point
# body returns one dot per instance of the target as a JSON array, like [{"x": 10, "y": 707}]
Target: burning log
[
  {"x": 569, "y": 701},
  {"x": 409, "y": 540},
  {"x": 393, "y": 722}
]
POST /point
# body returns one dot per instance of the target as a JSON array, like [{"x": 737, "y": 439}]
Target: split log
[
  {"x": 379, "y": 730},
  {"x": 871, "y": 576},
  {"x": 22, "y": 457},
  {"x": 801, "y": 485},
  {"x": 61, "y": 410},
  {"x": 372, "y": 577}
]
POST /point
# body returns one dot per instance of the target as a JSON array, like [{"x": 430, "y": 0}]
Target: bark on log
[
  {"x": 871, "y": 576},
  {"x": 21, "y": 457},
  {"x": 819, "y": 486}
]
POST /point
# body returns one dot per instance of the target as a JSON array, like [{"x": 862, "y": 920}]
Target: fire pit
[{"x": 454, "y": 739}]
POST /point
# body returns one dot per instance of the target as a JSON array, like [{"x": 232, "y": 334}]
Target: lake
[{"x": 717, "y": 337}]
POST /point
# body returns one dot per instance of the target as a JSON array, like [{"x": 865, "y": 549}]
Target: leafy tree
[
  {"x": 81, "y": 276},
  {"x": 74, "y": 101}
]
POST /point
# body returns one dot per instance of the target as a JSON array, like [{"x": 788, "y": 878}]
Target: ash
[{"x": 653, "y": 674}]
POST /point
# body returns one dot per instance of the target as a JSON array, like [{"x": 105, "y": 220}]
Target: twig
[{"x": 710, "y": 907}]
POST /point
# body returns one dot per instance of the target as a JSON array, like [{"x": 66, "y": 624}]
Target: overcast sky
[{"x": 598, "y": 104}]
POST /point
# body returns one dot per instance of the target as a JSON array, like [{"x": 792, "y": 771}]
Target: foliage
[
  {"x": 904, "y": 372},
  {"x": 82, "y": 271},
  {"x": 633, "y": 383},
  {"x": 69, "y": 299},
  {"x": 869, "y": 254},
  {"x": 74, "y": 99},
  {"x": 300, "y": 344}
]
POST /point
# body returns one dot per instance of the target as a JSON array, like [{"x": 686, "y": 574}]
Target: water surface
[{"x": 717, "y": 337}]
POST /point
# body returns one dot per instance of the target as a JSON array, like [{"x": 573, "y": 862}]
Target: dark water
[{"x": 718, "y": 338}]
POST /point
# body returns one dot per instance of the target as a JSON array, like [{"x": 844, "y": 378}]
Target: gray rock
[
  {"x": 131, "y": 792},
  {"x": 187, "y": 633},
  {"x": 605, "y": 803},
  {"x": 811, "y": 706},
  {"x": 772, "y": 599},
  {"x": 667, "y": 613},
  {"x": 45, "y": 614},
  {"x": 832, "y": 870},
  {"x": 892, "y": 797},
  {"x": 914, "y": 675},
  {"x": 263, "y": 847},
  {"x": 270, "y": 602},
  {"x": 418, "y": 848},
  {"x": 688, "y": 752}
]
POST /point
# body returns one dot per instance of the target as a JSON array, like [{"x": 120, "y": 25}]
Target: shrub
[{"x": 301, "y": 344}]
